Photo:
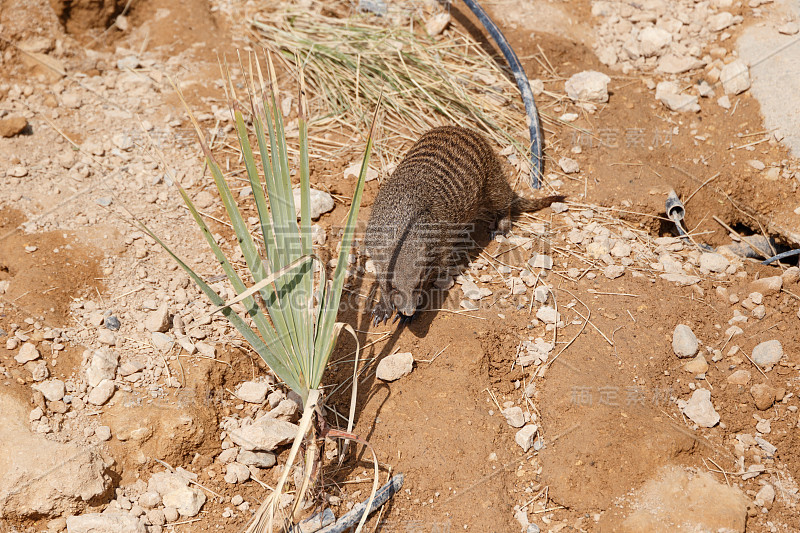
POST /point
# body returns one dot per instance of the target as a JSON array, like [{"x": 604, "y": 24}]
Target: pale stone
[{"x": 394, "y": 367}]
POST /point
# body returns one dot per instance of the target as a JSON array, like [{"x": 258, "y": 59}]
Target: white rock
[
  {"x": 589, "y": 86},
  {"x": 767, "y": 354},
  {"x": 158, "y": 320},
  {"x": 265, "y": 434},
  {"x": 720, "y": 21},
  {"x": 674, "y": 64},
  {"x": 569, "y": 166},
  {"x": 653, "y": 40},
  {"x": 27, "y": 352},
  {"x": 613, "y": 271},
  {"x": 548, "y": 315},
  {"x": 765, "y": 496},
  {"x": 163, "y": 482},
  {"x": 700, "y": 410},
  {"x": 526, "y": 436},
  {"x": 541, "y": 261},
  {"x": 237, "y": 473},
  {"x": 39, "y": 477},
  {"x": 110, "y": 522},
  {"x": 103, "y": 433},
  {"x": 149, "y": 499},
  {"x": 667, "y": 94},
  {"x": 102, "y": 392},
  {"x": 514, "y": 416},
  {"x": 103, "y": 365},
  {"x": 684, "y": 341},
  {"x": 735, "y": 77},
  {"x": 437, "y": 23},
  {"x": 471, "y": 290},
  {"x": 537, "y": 87},
  {"x": 394, "y": 367},
  {"x": 259, "y": 459},
  {"x": 187, "y": 500},
  {"x": 790, "y": 28},
  {"x": 714, "y": 262},
  {"x": 53, "y": 389},
  {"x": 321, "y": 202},
  {"x": 252, "y": 392},
  {"x": 355, "y": 169},
  {"x": 127, "y": 62},
  {"x": 162, "y": 341}
]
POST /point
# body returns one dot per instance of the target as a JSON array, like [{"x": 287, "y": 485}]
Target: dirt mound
[{"x": 79, "y": 16}]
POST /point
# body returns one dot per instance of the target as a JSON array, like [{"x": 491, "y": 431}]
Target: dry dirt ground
[{"x": 615, "y": 448}]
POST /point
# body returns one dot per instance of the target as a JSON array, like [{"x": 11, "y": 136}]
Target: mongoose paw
[
  {"x": 381, "y": 313},
  {"x": 405, "y": 319}
]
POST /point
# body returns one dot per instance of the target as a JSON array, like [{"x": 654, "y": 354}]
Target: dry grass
[{"x": 425, "y": 82}]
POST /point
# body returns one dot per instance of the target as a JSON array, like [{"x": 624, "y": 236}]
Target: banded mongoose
[{"x": 449, "y": 178}]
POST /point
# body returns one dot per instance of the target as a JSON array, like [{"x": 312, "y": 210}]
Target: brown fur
[{"x": 448, "y": 179}]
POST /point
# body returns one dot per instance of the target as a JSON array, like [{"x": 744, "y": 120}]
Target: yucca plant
[{"x": 294, "y": 318}]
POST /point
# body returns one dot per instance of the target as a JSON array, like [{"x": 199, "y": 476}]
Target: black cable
[
  {"x": 778, "y": 257},
  {"x": 524, "y": 88}
]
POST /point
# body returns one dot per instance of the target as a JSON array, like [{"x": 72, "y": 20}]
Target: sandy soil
[{"x": 607, "y": 407}]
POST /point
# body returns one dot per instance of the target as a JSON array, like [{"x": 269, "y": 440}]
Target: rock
[
  {"x": 252, "y": 392},
  {"x": 103, "y": 433},
  {"x": 719, "y": 21},
  {"x": 667, "y": 94},
  {"x": 355, "y": 169},
  {"x": 763, "y": 395},
  {"x": 159, "y": 320},
  {"x": 471, "y": 290},
  {"x": 674, "y": 64},
  {"x": 437, "y": 23},
  {"x": 588, "y": 86},
  {"x": 42, "y": 478},
  {"x": 541, "y": 261},
  {"x": 229, "y": 455},
  {"x": 128, "y": 62},
  {"x": 653, "y": 40},
  {"x": 163, "y": 342},
  {"x": 11, "y": 126},
  {"x": 17, "y": 172},
  {"x": 38, "y": 370},
  {"x": 102, "y": 366},
  {"x": 71, "y": 99},
  {"x": 696, "y": 366},
  {"x": 759, "y": 312},
  {"x": 613, "y": 271},
  {"x": 321, "y": 202},
  {"x": 170, "y": 514},
  {"x": 187, "y": 500},
  {"x": 765, "y": 496},
  {"x": 164, "y": 482},
  {"x": 699, "y": 409},
  {"x": 259, "y": 459},
  {"x": 106, "y": 337},
  {"x": 395, "y": 366},
  {"x": 265, "y": 434},
  {"x": 791, "y": 276},
  {"x": 677, "y": 499},
  {"x": 53, "y": 390},
  {"x": 548, "y": 315},
  {"x": 514, "y": 416},
  {"x": 237, "y": 473},
  {"x": 526, "y": 436},
  {"x": 109, "y": 522},
  {"x": 714, "y": 262},
  {"x": 27, "y": 352},
  {"x": 569, "y": 166},
  {"x": 767, "y": 286},
  {"x": 102, "y": 392},
  {"x": 767, "y": 354},
  {"x": 790, "y": 28},
  {"x": 724, "y": 102},
  {"x": 740, "y": 377},
  {"x": 684, "y": 341},
  {"x": 537, "y": 86},
  {"x": 149, "y": 499},
  {"x": 735, "y": 77}
]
